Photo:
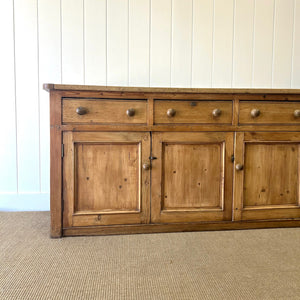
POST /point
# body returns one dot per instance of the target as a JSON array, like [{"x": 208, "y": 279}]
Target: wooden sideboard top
[{"x": 59, "y": 87}]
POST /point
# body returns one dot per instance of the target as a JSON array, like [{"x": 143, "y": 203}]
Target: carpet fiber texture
[{"x": 248, "y": 264}]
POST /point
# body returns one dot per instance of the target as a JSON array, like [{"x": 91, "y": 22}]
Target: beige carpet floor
[{"x": 249, "y": 264}]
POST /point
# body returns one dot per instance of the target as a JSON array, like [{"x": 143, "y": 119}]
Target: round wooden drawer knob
[
  {"x": 130, "y": 112},
  {"x": 297, "y": 113},
  {"x": 146, "y": 166},
  {"x": 216, "y": 112},
  {"x": 239, "y": 167},
  {"x": 81, "y": 110},
  {"x": 255, "y": 112},
  {"x": 171, "y": 112}
]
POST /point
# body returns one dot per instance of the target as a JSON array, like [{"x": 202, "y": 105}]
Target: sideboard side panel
[{"x": 55, "y": 165}]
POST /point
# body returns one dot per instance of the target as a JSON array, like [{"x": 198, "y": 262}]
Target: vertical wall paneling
[
  {"x": 49, "y": 71},
  {"x": 222, "y": 49},
  {"x": 117, "y": 42},
  {"x": 198, "y": 43},
  {"x": 8, "y": 162},
  {"x": 95, "y": 41},
  {"x": 72, "y": 41},
  {"x": 160, "y": 52},
  {"x": 27, "y": 98},
  {"x": 263, "y": 43},
  {"x": 283, "y": 41},
  {"x": 202, "y": 43},
  {"x": 182, "y": 18},
  {"x": 295, "y": 80},
  {"x": 243, "y": 43},
  {"x": 139, "y": 42}
]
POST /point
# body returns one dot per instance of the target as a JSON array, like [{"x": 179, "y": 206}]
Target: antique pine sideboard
[{"x": 141, "y": 160}]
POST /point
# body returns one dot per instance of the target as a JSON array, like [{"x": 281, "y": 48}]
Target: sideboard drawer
[
  {"x": 107, "y": 111},
  {"x": 193, "y": 112},
  {"x": 257, "y": 112}
]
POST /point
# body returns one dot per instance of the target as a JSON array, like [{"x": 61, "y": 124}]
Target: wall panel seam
[
  {"x": 106, "y": 45},
  {"x": 233, "y": 37},
  {"x": 171, "y": 44},
  {"x": 83, "y": 42},
  {"x": 61, "y": 41},
  {"x": 38, "y": 93},
  {"x": 15, "y": 97},
  {"x": 293, "y": 44},
  {"x": 253, "y": 43},
  {"x": 213, "y": 46},
  {"x": 128, "y": 42},
  {"x": 192, "y": 43},
  {"x": 150, "y": 24},
  {"x": 273, "y": 43}
]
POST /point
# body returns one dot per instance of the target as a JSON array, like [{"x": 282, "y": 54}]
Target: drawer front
[
  {"x": 254, "y": 112},
  {"x": 192, "y": 112},
  {"x": 104, "y": 111}
]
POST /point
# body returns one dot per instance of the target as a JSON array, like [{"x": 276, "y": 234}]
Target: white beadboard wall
[{"x": 166, "y": 43}]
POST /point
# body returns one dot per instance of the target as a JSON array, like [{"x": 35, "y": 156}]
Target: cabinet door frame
[
  {"x": 72, "y": 218},
  {"x": 271, "y": 212},
  {"x": 224, "y": 213}
]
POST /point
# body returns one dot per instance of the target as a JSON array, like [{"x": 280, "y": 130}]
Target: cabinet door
[
  {"x": 267, "y": 176},
  {"x": 191, "y": 177},
  {"x": 103, "y": 179}
]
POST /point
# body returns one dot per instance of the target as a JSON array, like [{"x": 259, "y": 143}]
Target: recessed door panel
[
  {"x": 104, "y": 182},
  {"x": 198, "y": 169},
  {"x": 267, "y": 184},
  {"x": 191, "y": 177},
  {"x": 271, "y": 174},
  {"x": 107, "y": 177}
]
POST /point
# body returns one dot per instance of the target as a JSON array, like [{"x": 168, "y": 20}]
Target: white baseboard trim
[{"x": 24, "y": 201}]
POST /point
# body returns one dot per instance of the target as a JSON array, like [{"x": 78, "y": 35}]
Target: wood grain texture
[
  {"x": 104, "y": 111},
  {"x": 270, "y": 113},
  {"x": 68, "y": 179},
  {"x": 271, "y": 176},
  {"x": 55, "y": 165},
  {"x": 238, "y": 177},
  {"x": 192, "y": 112},
  {"x": 191, "y": 168},
  {"x": 117, "y": 218},
  {"x": 192, "y": 173},
  {"x": 107, "y": 177},
  {"x": 102, "y": 171},
  {"x": 51, "y": 86},
  {"x": 42, "y": 39},
  {"x": 268, "y": 185},
  {"x": 182, "y": 203},
  {"x": 182, "y": 127},
  {"x": 159, "y": 228},
  {"x": 150, "y": 111}
]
